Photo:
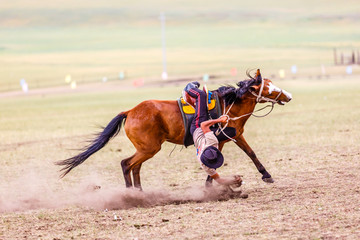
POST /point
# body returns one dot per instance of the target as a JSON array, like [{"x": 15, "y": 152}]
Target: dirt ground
[
  {"x": 307, "y": 201},
  {"x": 317, "y": 202}
]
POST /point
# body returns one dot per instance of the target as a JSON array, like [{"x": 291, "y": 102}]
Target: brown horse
[{"x": 149, "y": 124}]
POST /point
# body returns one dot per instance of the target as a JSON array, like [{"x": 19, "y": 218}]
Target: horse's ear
[
  {"x": 258, "y": 77},
  {"x": 254, "y": 88}
]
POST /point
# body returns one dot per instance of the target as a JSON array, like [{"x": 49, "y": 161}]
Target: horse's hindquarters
[{"x": 152, "y": 122}]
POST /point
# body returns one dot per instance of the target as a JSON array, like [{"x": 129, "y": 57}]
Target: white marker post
[
  {"x": 121, "y": 75},
  {"x": 164, "y": 74},
  {"x": 323, "y": 70},
  {"x": 206, "y": 77},
  {"x": 68, "y": 78},
  {"x": 349, "y": 70},
  {"x": 24, "y": 85},
  {"x": 282, "y": 73},
  {"x": 73, "y": 85}
]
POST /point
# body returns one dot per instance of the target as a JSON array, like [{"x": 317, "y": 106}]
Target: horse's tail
[{"x": 102, "y": 138}]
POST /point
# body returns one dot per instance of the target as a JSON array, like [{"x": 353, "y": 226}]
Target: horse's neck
[{"x": 240, "y": 108}]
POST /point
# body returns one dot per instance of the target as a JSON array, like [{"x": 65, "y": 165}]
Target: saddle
[{"x": 188, "y": 111}]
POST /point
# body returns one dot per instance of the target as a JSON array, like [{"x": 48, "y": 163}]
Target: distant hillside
[{"x": 35, "y": 13}]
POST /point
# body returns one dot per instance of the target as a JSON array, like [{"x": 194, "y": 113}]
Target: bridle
[
  {"x": 262, "y": 98},
  {"x": 258, "y": 99}
]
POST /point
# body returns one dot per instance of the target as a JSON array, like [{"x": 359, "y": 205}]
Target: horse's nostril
[{"x": 288, "y": 95}]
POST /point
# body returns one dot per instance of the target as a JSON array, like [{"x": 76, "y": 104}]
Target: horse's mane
[{"x": 230, "y": 93}]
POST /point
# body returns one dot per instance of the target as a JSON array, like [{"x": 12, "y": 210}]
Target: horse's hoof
[
  {"x": 244, "y": 195},
  {"x": 268, "y": 180}
]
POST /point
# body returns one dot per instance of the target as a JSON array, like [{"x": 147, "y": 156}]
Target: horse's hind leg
[
  {"x": 136, "y": 176},
  {"x": 133, "y": 163},
  {"x": 126, "y": 171}
]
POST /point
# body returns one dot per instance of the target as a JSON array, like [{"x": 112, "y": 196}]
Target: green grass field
[{"x": 44, "y": 42}]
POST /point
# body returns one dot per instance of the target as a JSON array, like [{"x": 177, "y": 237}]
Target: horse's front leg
[{"x": 266, "y": 177}]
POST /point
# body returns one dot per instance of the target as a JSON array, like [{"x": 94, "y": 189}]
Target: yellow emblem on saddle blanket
[{"x": 188, "y": 109}]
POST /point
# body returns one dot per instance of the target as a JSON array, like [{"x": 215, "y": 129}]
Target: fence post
[{"x": 335, "y": 57}]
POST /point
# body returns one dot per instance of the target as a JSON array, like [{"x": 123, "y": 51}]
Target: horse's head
[{"x": 265, "y": 91}]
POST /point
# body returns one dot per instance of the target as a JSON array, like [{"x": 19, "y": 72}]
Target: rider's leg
[{"x": 201, "y": 112}]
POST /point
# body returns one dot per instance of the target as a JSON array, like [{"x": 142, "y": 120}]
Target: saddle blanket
[{"x": 188, "y": 112}]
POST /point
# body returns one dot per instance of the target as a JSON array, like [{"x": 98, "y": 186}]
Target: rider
[{"x": 205, "y": 141}]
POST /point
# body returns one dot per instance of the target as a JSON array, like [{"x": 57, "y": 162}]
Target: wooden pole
[
  {"x": 342, "y": 59},
  {"x": 335, "y": 57},
  {"x": 163, "y": 41}
]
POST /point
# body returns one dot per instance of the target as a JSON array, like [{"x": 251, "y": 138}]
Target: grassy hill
[{"x": 44, "y": 41}]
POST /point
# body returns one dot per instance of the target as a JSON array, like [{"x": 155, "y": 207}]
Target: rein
[{"x": 258, "y": 99}]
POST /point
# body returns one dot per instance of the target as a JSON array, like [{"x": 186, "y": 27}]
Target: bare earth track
[{"x": 302, "y": 204}]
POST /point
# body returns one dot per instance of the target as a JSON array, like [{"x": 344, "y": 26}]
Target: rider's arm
[
  {"x": 205, "y": 126},
  {"x": 227, "y": 180},
  {"x": 221, "y": 180}
]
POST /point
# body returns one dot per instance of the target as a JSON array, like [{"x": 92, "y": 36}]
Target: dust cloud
[{"x": 32, "y": 191}]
